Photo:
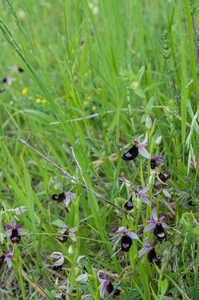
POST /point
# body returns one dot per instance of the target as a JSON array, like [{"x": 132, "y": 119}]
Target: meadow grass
[{"x": 98, "y": 74}]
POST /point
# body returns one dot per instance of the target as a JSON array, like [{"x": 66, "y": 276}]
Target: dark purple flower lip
[{"x": 152, "y": 257}]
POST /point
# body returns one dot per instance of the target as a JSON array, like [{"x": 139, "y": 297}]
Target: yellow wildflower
[
  {"x": 86, "y": 74},
  {"x": 134, "y": 85},
  {"x": 24, "y": 91},
  {"x": 89, "y": 98},
  {"x": 30, "y": 98},
  {"x": 85, "y": 103},
  {"x": 75, "y": 77},
  {"x": 38, "y": 101},
  {"x": 94, "y": 108},
  {"x": 44, "y": 101}
]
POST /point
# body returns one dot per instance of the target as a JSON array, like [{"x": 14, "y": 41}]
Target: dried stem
[{"x": 65, "y": 173}]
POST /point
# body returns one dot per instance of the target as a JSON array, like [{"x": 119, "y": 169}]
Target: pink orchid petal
[
  {"x": 143, "y": 251},
  {"x": 132, "y": 235},
  {"x": 154, "y": 214},
  {"x": 144, "y": 152},
  {"x": 8, "y": 233},
  {"x": 121, "y": 229},
  {"x": 67, "y": 200},
  {"x": 151, "y": 243},
  {"x": 165, "y": 225},
  {"x": 151, "y": 221},
  {"x": 144, "y": 242},
  {"x": 9, "y": 262},
  {"x": 8, "y": 226},
  {"x": 13, "y": 223},
  {"x": 103, "y": 289},
  {"x": 100, "y": 280},
  {"x": 143, "y": 145},
  {"x": 181, "y": 192},
  {"x": 149, "y": 227},
  {"x": 146, "y": 201},
  {"x": 19, "y": 226},
  {"x": 146, "y": 189},
  {"x": 146, "y": 138},
  {"x": 161, "y": 218},
  {"x": 157, "y": 193},
  {"x": 22, "y": 231},
  {"x": 166, "y": 193}
]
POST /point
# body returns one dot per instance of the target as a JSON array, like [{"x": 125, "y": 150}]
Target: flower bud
[
  {"x": 148, "y": 123},
  {"x": 82, "y": 278},
  {"x": 70, "y": 249},
  {"x": 159, "y": 140}
]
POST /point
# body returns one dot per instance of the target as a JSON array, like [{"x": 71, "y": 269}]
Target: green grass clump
[{"x": 79, "y": 80}]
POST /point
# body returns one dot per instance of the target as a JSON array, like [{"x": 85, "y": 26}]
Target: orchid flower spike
[
  {"x": 138, "y": 147},
  {"x": 67, "y": 232},
  {"x": 157, "y": 226},
  {"x": 60, "y": 260},
  {"x": 14, "y": 232},
  {"x": 127, "y": 236},
  {"x": 107, "y": 285},
  {"x": 65, "y": 195}
]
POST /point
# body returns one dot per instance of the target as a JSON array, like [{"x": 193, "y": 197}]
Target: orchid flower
[
  {"x": 152, "y": 223},
  {"x": 67, "y": 232},
  {"x": 138, "y": 147},
  {"x": 8, "y": 80},
  {"x": 65, "y": 195},
  {"x": 147, "y": 247},
  {"x": 60, "y": 260},
  {"x": 7, "y": 257},
  {"x": 180, "y": 202},
  {"x": 107, "y": 285},
  {"x": 14, "y": 232},
  {"x": 152, "y": 257},
  {"x": 143, "y": 194},
  {"x": 161, "y": 188},
  {"x": 156, "y": 160},
  {"x": 127, "y": 236}
]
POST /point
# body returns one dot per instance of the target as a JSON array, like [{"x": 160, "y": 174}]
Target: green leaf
[{"x": 139, "y": 93}]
